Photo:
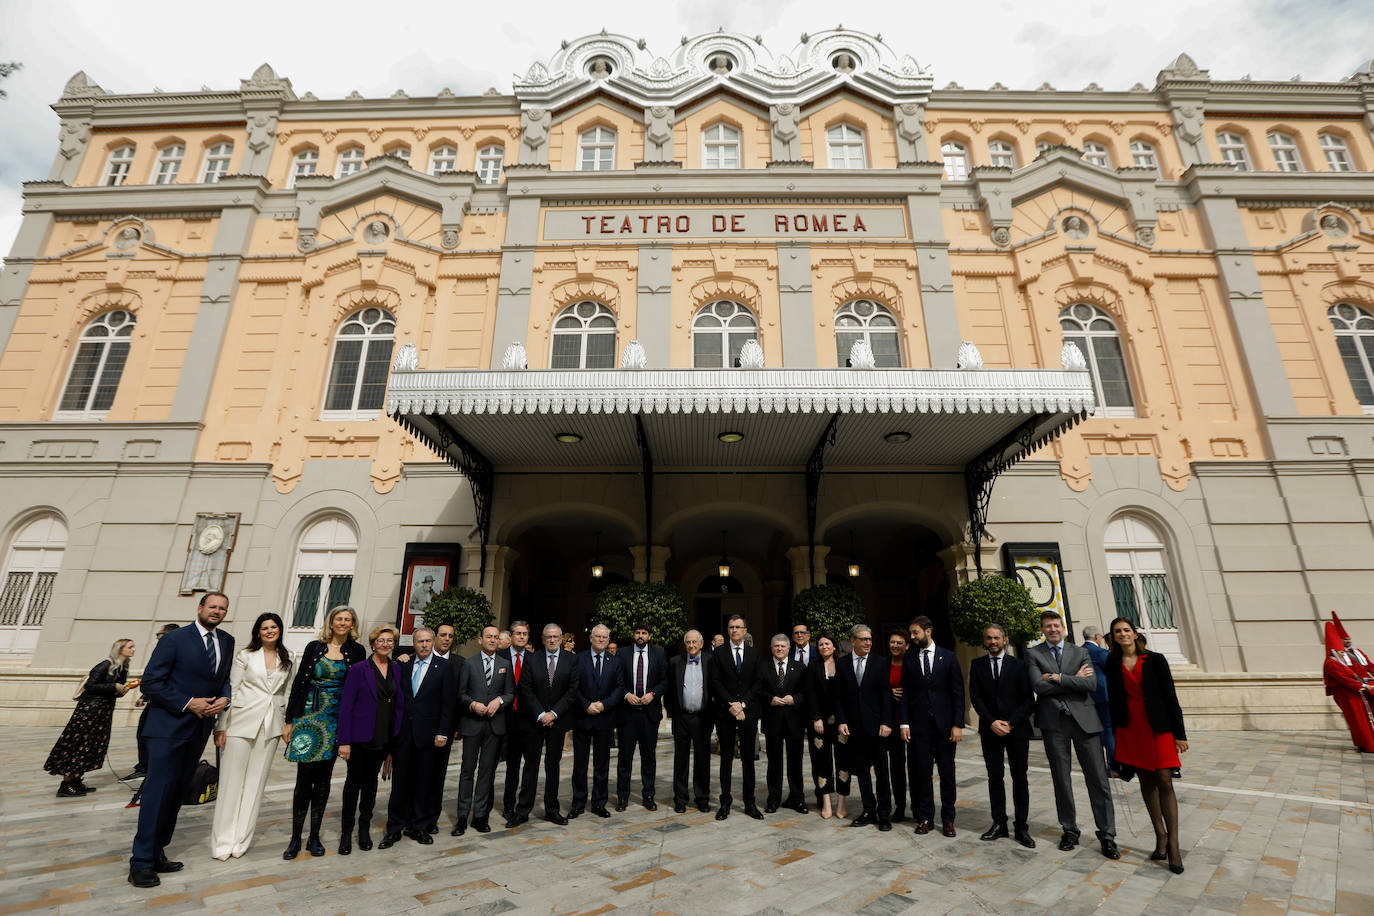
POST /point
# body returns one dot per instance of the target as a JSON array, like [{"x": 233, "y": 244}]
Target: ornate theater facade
[{"x": 800, "y": 315}]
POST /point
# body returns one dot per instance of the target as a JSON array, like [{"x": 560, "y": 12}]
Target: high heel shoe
[
  {"x": 1161, "y": 845},
  {"x": 1176, "y": 869}
]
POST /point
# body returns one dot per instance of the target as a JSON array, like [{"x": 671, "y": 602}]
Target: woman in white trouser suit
[{"x": 250, "y": 732}]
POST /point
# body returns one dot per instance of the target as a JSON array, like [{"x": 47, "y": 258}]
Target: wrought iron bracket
[
  {"x": 477, "y": 468},
  {"x": 647, "y": 463},
  {"x": 815, "y": 465}
]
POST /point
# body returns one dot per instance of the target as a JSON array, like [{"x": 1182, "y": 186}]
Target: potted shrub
[
  {"x": 658, "y": 604},
  {"x": 830, "y": 609},
  {"x": 465, "y": 609},
  {"x": 994, "y": 599}
]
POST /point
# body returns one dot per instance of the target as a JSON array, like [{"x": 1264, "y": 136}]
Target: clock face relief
[{"x": 211, "y": 538}]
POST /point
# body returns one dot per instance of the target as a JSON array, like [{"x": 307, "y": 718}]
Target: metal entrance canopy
[{"x": 979, "y": 421}]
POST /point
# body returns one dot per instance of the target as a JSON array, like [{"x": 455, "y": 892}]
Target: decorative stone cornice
[
  {"x": 59, "y": 199},
  {"x": 1288, "y": 188}
]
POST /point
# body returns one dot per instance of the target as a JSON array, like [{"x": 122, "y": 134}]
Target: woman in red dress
[{"x": 1148, "y": 725}]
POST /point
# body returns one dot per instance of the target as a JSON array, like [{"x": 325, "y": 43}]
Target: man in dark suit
[
  {"x": 444, "y": 637},
  {"x": 781, "y": 694},
  {"x": 186, "y": 683},
  {"x": 430, "y": 688},
  {"x": 688, "y": 698},
  {"x": 932, "y": 724},
  {"x": 1002, "y": 697},
  {"x": 1093, "y": 645},
  {"x": 598, "y": 695},
  {"x": 517, "y": 726},
  {"x": 548, "y": 692},
  {"x": 486, "y": 688},
  {"x": 734, "y": 683},
  {"x": 862, "y": 711},
  {"x": 643, "y": 678}
]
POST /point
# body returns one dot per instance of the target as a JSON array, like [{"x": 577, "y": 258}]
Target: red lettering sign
[
  {"x": 859, "y": 224},
  {"x": 606, "y": 225},
  {"x": 736, "y": 222},
  {"x": 684, "y": 224},
  {"x": 839, "y": 223},
  {"x": 717, "y": 222},
  {"x": 625, "y": 226},
  {"x": 588, "y": 221},
  {"x": 779, "y": 223},
  {"x": 820, "y": 223},
  {"x": 644, "y": 221},
  {"x": 665, "y": 224}
]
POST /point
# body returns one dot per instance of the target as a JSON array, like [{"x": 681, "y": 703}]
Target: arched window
[
  {"x": 489, "y": 161},
  {"x": 350, "y": 162},
  {"x": 1095, "y": 153},
  {"x": 117, "y": 165},
  {"x": 216, "y": 162},
  {"x": 719, "y": 332},
  {"x": 720, "y": 147},
  {"x": 31, "y": 565},
  {"x": 1043, "y": 144},
  {"x": 1355, "y": 339},
  {"x": 1002, "y": 154},
  {"x": 845, "y": 146},
  {"x": 100, "y": 357},
  {"x": 1143, "y": 155},
  {"x": 323, "y": 577},
  {"x": 168, "y": 163},
  {"x": 584, "y": 337},
  {"x": 955, "y": 155},
  {"x": 443, "y": 159},
  {"x": 1094, "y": 333},
  {"x": 596, "y": 150},
  {"x": 1234, "y": 150},
  {"x": 362, "y": 359},
  {"x": 1285, "y": 150},
  {"x": 1138, "y": 566},
  {"x": 1337, "y": 152},
  {"x": 401, "y": 152},
  {"x": 864, "y": 319},
  {"x": 304, "y": 165}
]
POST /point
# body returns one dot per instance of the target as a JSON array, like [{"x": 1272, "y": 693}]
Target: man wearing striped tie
[{"x": 486, "y": 687}]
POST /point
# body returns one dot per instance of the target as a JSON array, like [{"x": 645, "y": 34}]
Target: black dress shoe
[
  {"x": 600, "y": 811},
  {"x": 899, "y": 815},
  {"x": 996, "y": 831},
  {"x": 345, "y": 845},
  {"x": 863, "y": 820},
  {"x": 723, "y": 813},
  {"x": 924, "y": 827},
  {"x": 703, "y": 807},
  {"x": 459, "y": 829},
  {"x": 144, "y": 877},
  {"x": 389, "y": 840},
  {"x": 1109, "y": 848},
  {"x": 166, "y": 866},
  {"x": 884, "y": 824},
  {"x": 553, "y": 817},
  {"x": 574, "y": 811},
  {"x": 72, "y": 790},
  {"x": 481, "y": 826},
  {"x": 621, "y": 804},
  {"x": 364, "y": 839},
  {"x": 1025, "y": 839},
  {"x": 1068, "y": 841},
  {"x": 947, "y": 828},
  {"x": 314, "y": 847},
  {"x": 512, "y": 822},
  {"x": 754, "y": 812},
  {"x": 650, "y": 805},
  {"x": 293, "y": 849},
  {"x": 770, "y": 807},
  {"x": 680, "y": 808},
  {"x": 434, "y": 831},
  {"x": 800, "y": 808},
  {"x": 423, "y": 838}
]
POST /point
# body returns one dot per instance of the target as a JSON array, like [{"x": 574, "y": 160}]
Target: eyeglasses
[{"x": 863, "y": 639}]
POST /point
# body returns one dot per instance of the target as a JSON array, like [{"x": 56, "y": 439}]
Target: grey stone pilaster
[
  {"x": 937, "y": 280},
  {"x": 534, "y": 136},
  {"x": 655, "y": 304},
  {"x": 28, "y": 244},
  {"x": 658, "y": 134},
  {"x": 1184, "y": 87},
  {"x": 517, "y": 276},
  {"x": 907, "y": 125},
  {"x": 785, "y": 132},
  {"x": 798, "y": 319}
]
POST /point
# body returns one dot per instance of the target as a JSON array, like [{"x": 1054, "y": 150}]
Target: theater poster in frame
[
  {"x": 1040, "y": 569},
  {"x": 427, "y": 571}
]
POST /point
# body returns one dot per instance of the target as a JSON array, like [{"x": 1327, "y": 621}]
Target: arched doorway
[
  {"x": 758, "y": 586},
  {"x": 551, "y": 578}
]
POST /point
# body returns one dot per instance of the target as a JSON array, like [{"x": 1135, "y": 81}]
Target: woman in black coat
[
  {"x": 829, "y": 753},
  {"x": 81, "y": 746}
]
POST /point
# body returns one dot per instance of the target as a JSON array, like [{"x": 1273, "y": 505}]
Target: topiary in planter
[
  {"x": 658, "y": 604},
  {"x": 830, "y": 609},
  {"x": 465, "y": 609},
  {"x": 994, "y": 599}
]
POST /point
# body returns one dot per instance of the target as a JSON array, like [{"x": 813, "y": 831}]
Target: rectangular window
[
  {"x": 307, "y": 601},
  {"x": 109, "y": 375},
  {"x": 82, "y": 378},
  {"x": 340, "y": 590},
  {"x": 1354, "y": 367},
  {"x": 1123, "y": 595},
  {"x": 344, "y": 375},
  {"x": 706, "y": 351},
  {"x": 567, "y": 351},
  {"x": 372, "y": 395},
  {"x": 12, "y": 599},
  {"x": 1111, "y": 368},
  {"x": 600, "y": 351},
  {"x": 1157, "y": 603}
]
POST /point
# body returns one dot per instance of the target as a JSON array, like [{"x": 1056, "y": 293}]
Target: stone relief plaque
[{"x": 207, "y": 555}]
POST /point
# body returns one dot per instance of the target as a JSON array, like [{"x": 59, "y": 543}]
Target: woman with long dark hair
[
  {"x": 81, "y": 746},
  {"x": 369, "y": 718},
  {"x": 1148, "y": 723},
  {"x": 312, "y": 711},
  {"x": 829, "y": 751},
  {"x": 249, "y": 732}
]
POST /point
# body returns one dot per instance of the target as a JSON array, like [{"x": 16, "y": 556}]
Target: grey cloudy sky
[{"x": 421, "y": 47}]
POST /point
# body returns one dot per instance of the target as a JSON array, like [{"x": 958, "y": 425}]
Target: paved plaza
[{"x": 1272, "y": 822}]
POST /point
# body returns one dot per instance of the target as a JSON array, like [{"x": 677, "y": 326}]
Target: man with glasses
[
  {"x": 801, "y": 644},
  {"x": 863, "y": 711}
]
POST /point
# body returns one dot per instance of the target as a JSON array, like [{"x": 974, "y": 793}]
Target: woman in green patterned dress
[{"x": 312, "y": 714}]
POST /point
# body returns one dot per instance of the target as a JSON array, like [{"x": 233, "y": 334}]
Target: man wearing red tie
[{"x": 643, "y": 678}]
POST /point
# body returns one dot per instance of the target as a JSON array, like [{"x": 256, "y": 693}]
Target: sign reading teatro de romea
[{"x": 640, "y": 224}]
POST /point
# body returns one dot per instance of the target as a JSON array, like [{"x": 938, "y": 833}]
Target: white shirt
[
  {"x": 997, "y": 661},
  {"x": 802, "y": 653},
  {"x": 692, "y": 684}
]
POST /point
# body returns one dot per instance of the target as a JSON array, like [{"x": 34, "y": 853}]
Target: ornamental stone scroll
[
  {"x": 658, "y": 134},
  {"x": 786, "y": 134},
  {"x": 534, "y": 133}
]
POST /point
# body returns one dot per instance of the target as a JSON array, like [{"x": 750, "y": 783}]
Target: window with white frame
[
  {"x": 304, "y": 165},
  {"x": 117, "y": 165},
  {"x": 719, "y": 332},
  {"x": 100, "y": 356},
  {"x": 1143, "y": 155},
  {"x": 31, "y": 566},
  {"x": 216, "y": 162},
  {"x": 845, "y": 147},
  {"x": 1002, "y": 154},
  {"x": 358, "y": 369},
  {"x": 1337, "y": 152},
  {"x": 1355, "y": 340},
  {"x": 584, "y": 337},
  {"x": 1096, "y": 336},
  {"x": 1285, "y": 150},
  {"x": 350, "y": 162},
  {"x": 596, "y": 149},
  {"x": 1138, "y": 569},
  {"x": 720, "y": 147},
  {"x": 1042, "y": 145},
  {"x": 1095, "y": 153},
  {"x": 489, "y": 161},
  {"x": 1234, "y": 150},
  {"x": 443, "y": 159},
  {"x": 168, "y": 163},
  {"x": 326, "y": 558},
  {"x": 864, "y": 319},
  {"x": 955, "y": 155},
  {"x": 399, "y": 152}
]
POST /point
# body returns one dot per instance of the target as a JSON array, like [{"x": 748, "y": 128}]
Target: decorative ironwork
[
  {"x": 647, "y": 459},
  {"x": 814, "y": 466}
]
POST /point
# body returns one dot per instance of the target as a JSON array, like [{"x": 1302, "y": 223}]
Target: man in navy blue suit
[
  {"x": 643, "y": 678},
  {"x": 598, "y": 694},
  {"x": 932, "y": 723},
  {"x": 186, "y": 683}
]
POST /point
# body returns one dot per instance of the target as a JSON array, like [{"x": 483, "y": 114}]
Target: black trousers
[
  {"x": 142, "y": 765},
  {"x": 728, "y": 728},
  {"x": 928, "y": 750},
  {"x": 895, "y": 751},
  {"x": 173, "y": 762},
  {"x": 868, "y": 758},
  {"x": 691, "y": 752},
  {"x": 596, "y": 743},
  {"x": 546, "y": 740},
  {"x": 477, "y": 779},
  {"x": 513, "y": 749},
  {"x": 1016, "y": 748},
  {"x": 411, "y": 805},
  {"x": 831, "y": 761},
  {"x": 360, "y": 785},
  {"x": 783, "y": 746},
  {"x": 638, "y": 733},
  {"x": 438, "y": 775}
]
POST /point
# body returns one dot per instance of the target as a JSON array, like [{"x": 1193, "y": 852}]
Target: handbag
[{"x": 203, "y": 786}]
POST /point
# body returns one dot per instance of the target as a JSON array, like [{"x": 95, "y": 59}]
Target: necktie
[
  {"x": 417, "y": 676},
  {"x": 925, "y": 662},
  {"x": 486, "y": 663},
  {"x": 1058, "y": 655},
  {"x": 859, "y": 667},
  {"x": 782, "y": 671},
  {"x": 639, "y": 673},
  {"x": 739, "y": 658},
  {"x": 519, "y": 657},
  {"x": 996, "y": 667},
  {"x": 597, "y": 658},
  {"x": 553, "y": 665},
  {"x": 210, "y": 649}
]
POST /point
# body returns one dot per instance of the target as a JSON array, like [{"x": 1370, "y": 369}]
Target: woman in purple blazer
[{"x": 369, "y": 718}]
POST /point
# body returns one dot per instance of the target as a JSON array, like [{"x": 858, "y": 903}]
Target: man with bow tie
[{"x": 688, "y": 699}]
